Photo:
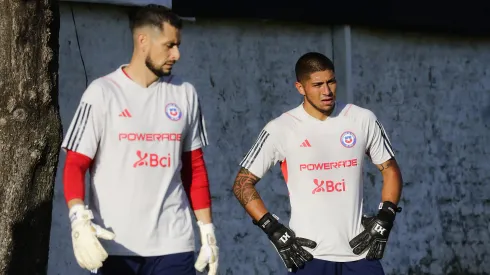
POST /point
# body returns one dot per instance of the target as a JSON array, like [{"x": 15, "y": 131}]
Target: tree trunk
[{"x": 30, "y": 132}]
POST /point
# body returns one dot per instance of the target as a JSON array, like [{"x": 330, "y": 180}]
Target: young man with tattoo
[{"x": 320, "y": 146}]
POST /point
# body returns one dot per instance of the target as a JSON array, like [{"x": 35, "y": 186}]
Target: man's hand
[
  {"x": 376, "y": 233},
  {"x": 209, "y": 253},
  {"x": 286, "y": 243},
  {"x": 89, "y": 253}
]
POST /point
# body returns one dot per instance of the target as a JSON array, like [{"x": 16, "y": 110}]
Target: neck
[
  {"x": 315, "y": 112},
  {"x": 139, "y": 73}
]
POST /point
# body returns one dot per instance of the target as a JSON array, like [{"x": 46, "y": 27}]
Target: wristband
[
  {"x": 268, "y": 223},
  {"x": 387, "y": 211}
]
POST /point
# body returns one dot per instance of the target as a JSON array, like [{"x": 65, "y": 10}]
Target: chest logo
[
  {"x": 348, "y": 139},
  {"x": 173, "y": 111}
]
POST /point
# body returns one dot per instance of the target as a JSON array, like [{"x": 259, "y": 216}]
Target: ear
[
  {"x": 142, "y": 40},
  {"x": 300, "y": 88}
]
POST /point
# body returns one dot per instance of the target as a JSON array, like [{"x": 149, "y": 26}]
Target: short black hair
[
  {"x": 153, "y": 15},
  {"x": 312, "y": 62}
]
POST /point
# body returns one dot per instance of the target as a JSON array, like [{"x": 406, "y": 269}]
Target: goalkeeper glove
[
  {"x": 209, "y": 253},
  {"x": 376, "y": 232},
  {"x": 89, "y": 253},
  {"x": 288, "y": 246}
]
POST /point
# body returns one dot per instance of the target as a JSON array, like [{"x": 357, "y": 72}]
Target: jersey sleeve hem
[
  {"x": 195, "y": 147},
  {"x": 383, "y": 160},
  {"x": 255, "y": 173}
]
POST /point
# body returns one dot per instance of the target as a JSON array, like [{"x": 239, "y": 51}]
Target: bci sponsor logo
[
  {"x": 152, "y": 160},
  {"x": 328, "y": 186}
]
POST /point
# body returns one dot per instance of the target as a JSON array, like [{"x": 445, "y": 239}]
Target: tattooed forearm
[{"x": 244, "y": 187}]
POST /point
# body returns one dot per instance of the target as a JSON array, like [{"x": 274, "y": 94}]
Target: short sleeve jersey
[
  {"x": 322, "y": 164},
  {"x": 136, "y": 137}
]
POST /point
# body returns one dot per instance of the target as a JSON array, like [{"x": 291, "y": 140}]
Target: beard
[
  {"x": 158, "y": 71},
  {"x": 325, "y": 111}
]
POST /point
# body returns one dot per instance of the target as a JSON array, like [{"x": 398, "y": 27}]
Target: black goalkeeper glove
[
  {"x": 377, "y": 230},
  {"x": 286, "y": 243}
]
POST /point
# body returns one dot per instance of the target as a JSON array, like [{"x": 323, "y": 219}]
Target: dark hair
[
  {"x": 312, "y": 62},
  {"x": 153, "y": 15}
]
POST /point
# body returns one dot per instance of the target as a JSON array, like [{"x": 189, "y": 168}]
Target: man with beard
[
  {"x": 321, "y": 146},
  {"x": 140, "y": 131}
]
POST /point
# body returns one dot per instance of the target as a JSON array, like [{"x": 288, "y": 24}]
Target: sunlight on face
[
  {"x": 163, "y": 50},
  {"x": 319, "y": 91}
]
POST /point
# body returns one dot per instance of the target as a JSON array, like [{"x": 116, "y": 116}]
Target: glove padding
[
  {"x": 209, "y": 252},
  {"x": 376, "y": 232},
  {"x": 288, "y": 246},
  {"x": 89, "y": 253}
]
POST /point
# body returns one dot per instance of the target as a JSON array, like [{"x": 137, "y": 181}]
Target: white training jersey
[
  {"x": 322, "y": 164},
  {"x": 136, "y": 137}
]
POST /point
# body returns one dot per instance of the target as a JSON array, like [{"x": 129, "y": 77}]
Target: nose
[
  {"x": 175, "y": 53},
  {"x": 327, "y": 91}
]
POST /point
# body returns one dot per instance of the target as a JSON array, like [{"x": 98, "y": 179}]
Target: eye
[{"x": 171, "y": 45}]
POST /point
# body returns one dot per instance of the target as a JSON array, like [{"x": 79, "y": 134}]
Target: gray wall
[
  {"x": 431, "y": 94},
  {"x": 433, "y": 97}
]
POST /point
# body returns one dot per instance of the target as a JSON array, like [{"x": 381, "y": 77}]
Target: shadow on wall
[{"x": 29, "y": 244}]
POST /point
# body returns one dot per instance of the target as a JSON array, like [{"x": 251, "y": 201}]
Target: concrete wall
[
  {"x": 433, "y": 96},
  {"x": 244, "y": 75}
]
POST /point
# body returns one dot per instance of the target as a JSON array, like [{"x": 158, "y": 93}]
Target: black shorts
[
  {"x": 173, "y": 264},
  {"x": 361, "y": 267}
]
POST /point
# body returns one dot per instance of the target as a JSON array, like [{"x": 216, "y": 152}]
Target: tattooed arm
[
  {"x": 247, "y": 195},
  {"x": 392, "y": 181}
]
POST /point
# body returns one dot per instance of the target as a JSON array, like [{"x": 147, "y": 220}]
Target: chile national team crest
[
  {"x": 348, "y": 139},
  {"x": 173, "y": 111}
]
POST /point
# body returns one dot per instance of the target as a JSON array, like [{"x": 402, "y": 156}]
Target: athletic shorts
[
  {"x": 322, "y": 267},
  {"x": 173, "y": 264}
]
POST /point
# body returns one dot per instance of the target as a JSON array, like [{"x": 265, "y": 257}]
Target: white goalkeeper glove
[
  {"x": 89, "y": 253},
  {"x": 209, "y": 253}
]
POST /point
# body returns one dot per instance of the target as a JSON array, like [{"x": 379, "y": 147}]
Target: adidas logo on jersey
[
  {"x": 125, "y": 113},
  {"x": 305, "y": 143}
]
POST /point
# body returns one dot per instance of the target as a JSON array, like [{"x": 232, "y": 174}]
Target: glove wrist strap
[
  {"x": 80, "y": 212},
  {"x": 387, "y": 211},
  {"x": 268, "y": 223}
]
